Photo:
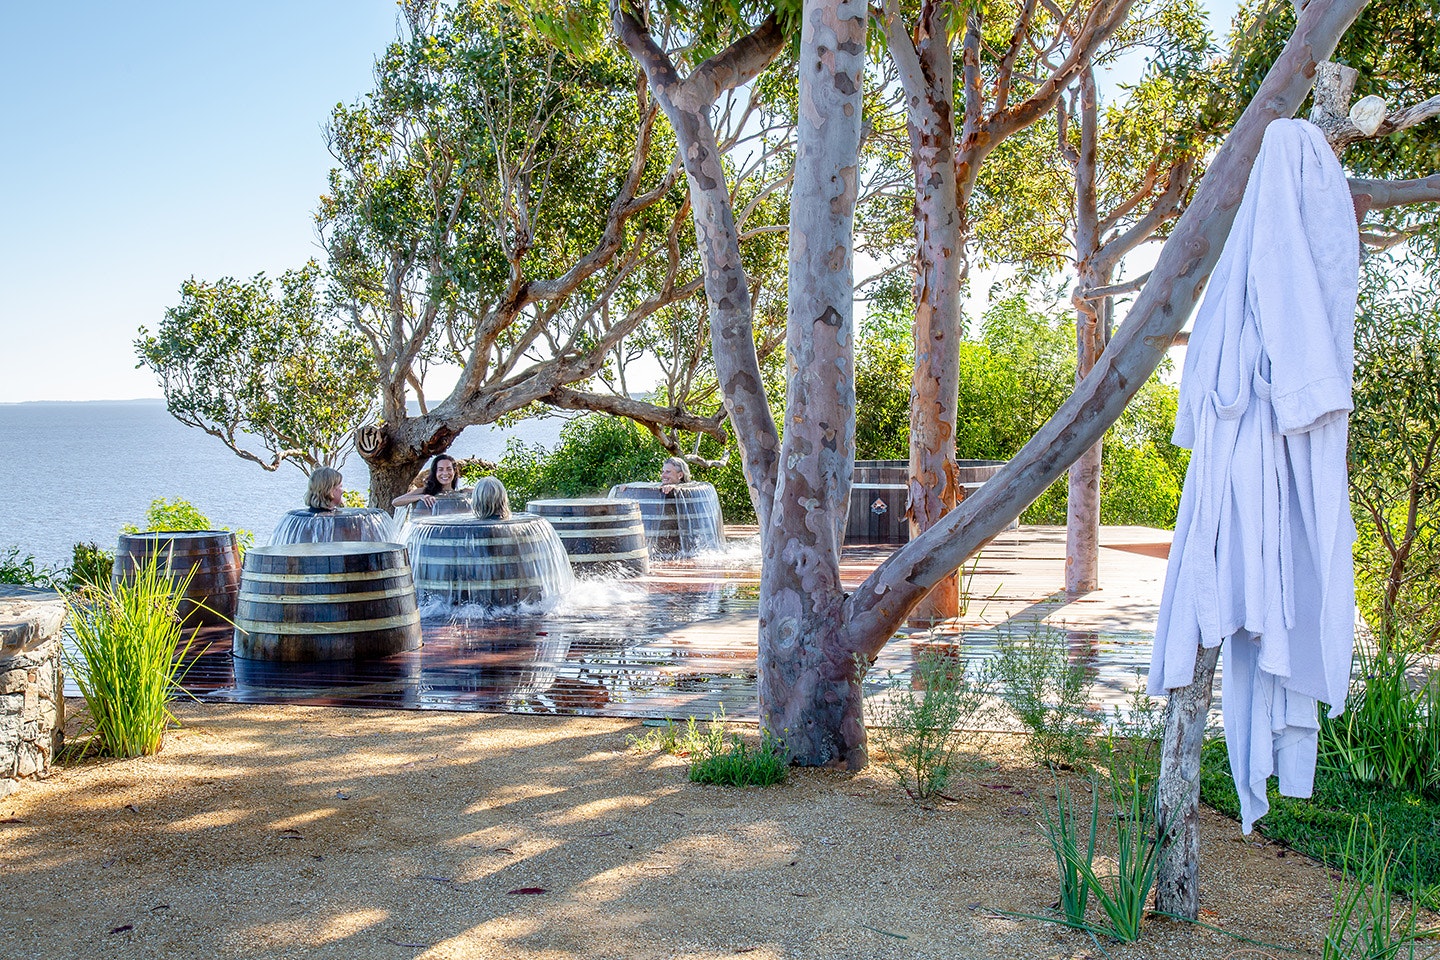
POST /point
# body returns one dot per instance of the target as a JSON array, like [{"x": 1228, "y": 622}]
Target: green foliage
[
  {"x": 180, "y": 514},
  {"x": 1129, "y": 749},
  {"x": 91, "y": 567},
  {"x": 25, "y": 571},
  {"x": 735, "y": 763},
  {"x": 1389, "y": 734},
  {"x": 128, "y": 638},
  {"x": 354, "y": 498},
  {"x": 1394, "y": 455},
  {"x": 916, "y": 732},
  {"x": 245, "y": 365},
  {"x": 720, "y": 756},
  {"x": 1121, "y": 895},
  {"x": 1046, "y": 693},
  {"x": 1362, "y": 924},
  {"x": 1011, "y": 381},
  {"x": 1318, "y": 825}
]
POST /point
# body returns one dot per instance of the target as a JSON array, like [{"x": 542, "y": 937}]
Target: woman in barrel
[
  {"x": 675, "y": 472},
  {"x": 489, "y": 500},
  {"x": 326, "y": 491},
  {"x": 443, "y": 479}
]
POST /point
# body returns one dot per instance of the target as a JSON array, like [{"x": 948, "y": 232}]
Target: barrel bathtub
[
  {"x": 345, "y": 525},
  {"x": 325, "y": 601},
  {"x": 603, "y": 537},
  {"x": 446, "y": 505},
  {"x": 678, "y": 524},
  {"x": 461, "y": 561},
  {"x": 208, "y": 557},
  {"x": 880, "y": 496}
]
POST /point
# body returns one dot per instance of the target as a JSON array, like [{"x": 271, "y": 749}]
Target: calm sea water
[{"x": 72, "y": 472}]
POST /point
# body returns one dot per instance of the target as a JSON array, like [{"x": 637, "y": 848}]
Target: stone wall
[{"x": 32, "y": 702}]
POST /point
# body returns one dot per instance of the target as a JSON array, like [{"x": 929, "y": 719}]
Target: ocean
[{"x": 77, "y": 472}]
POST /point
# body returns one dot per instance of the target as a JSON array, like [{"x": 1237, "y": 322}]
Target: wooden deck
[{"x": 681, "y": 642}]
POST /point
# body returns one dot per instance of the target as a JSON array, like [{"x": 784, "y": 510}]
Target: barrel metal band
[
  {"x": 325, "y": 597},
  {"x": 318, "y": 577}
]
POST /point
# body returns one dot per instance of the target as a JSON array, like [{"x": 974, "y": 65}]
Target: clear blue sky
[{"x": 150, "y": 142}]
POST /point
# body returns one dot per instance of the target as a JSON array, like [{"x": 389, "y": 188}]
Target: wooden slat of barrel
[
  {"x": 209, "y": 600},
  {"x": 326, "y": 601},
  {"x": 603, "y": 537}
]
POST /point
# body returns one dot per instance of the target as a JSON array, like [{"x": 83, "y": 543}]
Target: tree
[
  {"x": 245, "y": 365},
  {"x": 1040, "y": 52}
]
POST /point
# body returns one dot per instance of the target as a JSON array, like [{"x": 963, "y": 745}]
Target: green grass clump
[
  {"x": 1363, "y": 924},
  {"x": 731, "y": 762},
  {"x": 719, "y": 756},
  {"x": 128, "y": 635}
]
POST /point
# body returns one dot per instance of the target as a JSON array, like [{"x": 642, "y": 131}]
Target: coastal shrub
[
  {"x": 91, "y": 566},
  {"x": 731, "y": 762},
  {"x": 128, "y": 660},
  {"x": 175, "y": 515},
  {"x": 596, "y": 452},
  {"x": 1046, "y": 692},
  {"x": 918, "y": 725},
  {"x": 1129, "y": 747},
  {"x": 23, "y": 570}
]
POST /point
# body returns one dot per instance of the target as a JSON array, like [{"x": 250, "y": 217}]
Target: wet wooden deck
[{"x": 681, "y": 642}]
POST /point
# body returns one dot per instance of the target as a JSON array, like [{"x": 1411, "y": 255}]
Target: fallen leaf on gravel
[
  {"x": 440, "y": 879},
  {"x": 897, "y": 936},
  {"x": 132, "y": 808},
  {"x": 342, "y": 795},
  {"x": 798, "y": 893},
  {"x": 160, "y": 906},
  {"x": 12, "y": 820},
  {"x": 123, "y": 928},
  {"x": 527, "y": 890}
]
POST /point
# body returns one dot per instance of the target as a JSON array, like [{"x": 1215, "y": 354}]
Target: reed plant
[
  {"x": 1389, "y": 735},
  {"x": 130, "y": 658},
  {"x": 919, "y": 724},
  {"x": 731, "y": 762},
  {"x": 1363, "y": 923},
  {"x": 1122, "y": 894}
]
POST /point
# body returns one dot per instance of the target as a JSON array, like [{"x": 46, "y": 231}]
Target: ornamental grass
[{"x": 128, "y": 637}]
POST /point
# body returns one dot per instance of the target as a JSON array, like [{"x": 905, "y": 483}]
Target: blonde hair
[
  {"x": 322, "y": 481},
  {"x": 489, "y": 500}
]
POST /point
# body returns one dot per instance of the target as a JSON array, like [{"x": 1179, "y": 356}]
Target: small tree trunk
[
  {"x": 1082, "y": 523},
  {"x": 1177, "y": 882}
]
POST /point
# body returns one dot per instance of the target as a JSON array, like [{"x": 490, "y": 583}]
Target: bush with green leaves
[
  {"x": 917, "y": 726},
  {"x": 1046, "y": 692},
  {"x": 23, "y": 570},
  {"x": 175, "y": 515},
  {"x": 1389, "y": 734},
  {"x": 718, "y": 755},
  {"x": 129, "y": 659},
  {"x": 91, "y": 566}
]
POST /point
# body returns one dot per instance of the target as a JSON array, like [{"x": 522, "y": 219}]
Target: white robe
[{"x": 1261, "y": 556}]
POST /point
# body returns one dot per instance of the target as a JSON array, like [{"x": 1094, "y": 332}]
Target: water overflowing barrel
[
  {"x": 208, "y": 557},
  {"x": 603, "y": 537},
  {"x": 344, "y": 525},
  {"x": 490, "y": 563},
  {"x": 681, "y": 523},
  {"x": 880, "y": 494},
  {"x": 445, "y": 505},
  {"x": 325, "y": 601}
]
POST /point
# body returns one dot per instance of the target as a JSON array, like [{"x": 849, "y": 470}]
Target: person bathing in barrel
[
  {"x": 326, "y": 491},
  {"x": 443, "y": 479},
  {"x": 672, "y": 474},
  {"x": 489, "y": 500}
]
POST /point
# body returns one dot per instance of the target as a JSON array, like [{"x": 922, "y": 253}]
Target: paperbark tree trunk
[
  {"x": 809, "y": 684},
  {"x": 1177, "y": 793}
]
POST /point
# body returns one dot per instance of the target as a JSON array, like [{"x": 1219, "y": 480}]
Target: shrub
[
  {"x": 1389, "y": 734},
  {"x": 1045, "y": 692},
  {"x": 731, "y": 762},
  {"x": 24, "y": 570},
  {"x": 178, "y": 514},
  {"x": 127, "y": 636},
  {"x": 917, "y": 732},
  {"x": 91, "y": 566}
]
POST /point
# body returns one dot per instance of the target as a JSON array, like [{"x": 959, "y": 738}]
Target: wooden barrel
[
  {"x": 678, "y": 524},
  {"x": 325, "y": 601},
  {"x": 603, "y": 538},
  {"x": 210, "y": 558},
  {"x": 345, "y": 525},
  {"x": 880, "y": 497},
  {"x": 492, "y": 563}
]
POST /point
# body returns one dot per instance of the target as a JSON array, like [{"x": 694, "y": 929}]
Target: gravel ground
[{"x": 272, "y": 831}]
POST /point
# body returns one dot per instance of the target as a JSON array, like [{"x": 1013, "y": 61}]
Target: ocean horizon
[{"x": 76, "y": 471}]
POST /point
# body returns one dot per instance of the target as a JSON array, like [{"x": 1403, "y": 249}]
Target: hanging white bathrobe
[{"x": 1261, "y": 557}]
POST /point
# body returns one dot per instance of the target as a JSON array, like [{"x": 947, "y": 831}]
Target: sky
[{"x": 148, "y": 143}]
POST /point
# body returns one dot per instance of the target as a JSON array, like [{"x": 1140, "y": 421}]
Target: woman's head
[
  {"x": 326, "y": 490},
  {"x": 675, "y": 470},
  {"x": 489, "y": 500},
  {"x": 443, "y": 475}
]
